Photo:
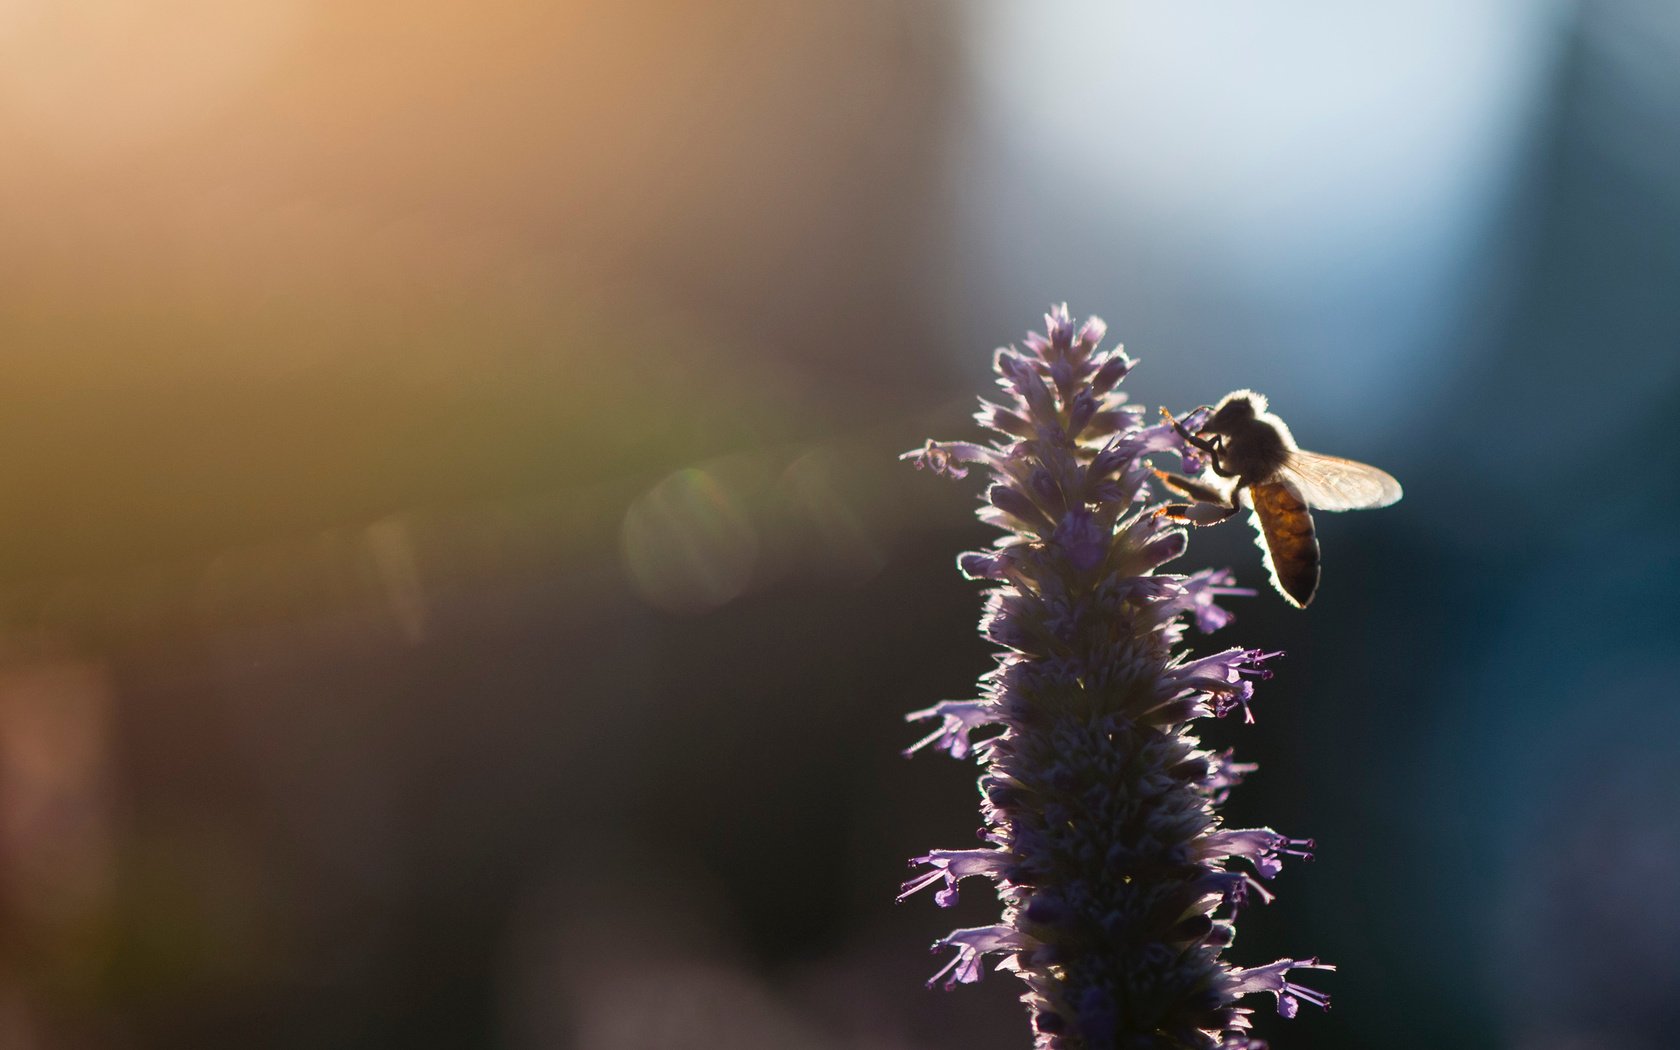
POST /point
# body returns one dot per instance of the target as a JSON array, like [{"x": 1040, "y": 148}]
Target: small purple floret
[
  {"x": 954, "y": 865},
  {"x": 1273, "y": 978},
  {"x": 1261, "y": 847},
  {"x": 959, "y": 718},
  {"x": 972, "y": 946},
  {"x": 1202, "y": 588}
]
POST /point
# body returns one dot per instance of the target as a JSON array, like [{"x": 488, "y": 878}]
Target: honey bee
[{"x": 1280, "y": 481}]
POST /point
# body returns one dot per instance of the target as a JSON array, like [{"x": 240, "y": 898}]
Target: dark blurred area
[{"x": 456, "y": 584}]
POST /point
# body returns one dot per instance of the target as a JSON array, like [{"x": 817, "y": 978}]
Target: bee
[{"x": 1279, "y": 480}]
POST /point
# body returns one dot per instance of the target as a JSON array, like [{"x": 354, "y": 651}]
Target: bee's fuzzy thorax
[
  {"x": 1241, "y": 410},
  {"x": 1257, "y": 401}
]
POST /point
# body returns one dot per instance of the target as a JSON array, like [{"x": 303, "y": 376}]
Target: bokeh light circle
[{"x": 687, "y": 544}]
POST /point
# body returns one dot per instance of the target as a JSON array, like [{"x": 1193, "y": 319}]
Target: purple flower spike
[{"x": 1120, "y": 885}]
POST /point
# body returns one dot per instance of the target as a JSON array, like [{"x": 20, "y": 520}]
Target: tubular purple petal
[
  {"x": 1021, "y": 377},
  {"x": 973, "y": 945},
  {"x": 1224, "y": 774},
  {"x": 958, "y": 719},
  {"x": 1091, "y": 334},
  {"x": 953, "y": 865},
  {"x": 1015, "y": 504},
  {"x": 1000, "y": 419},
  {"x": 1109, "y": 375},
  {"x": 1262, "y": 847},
  {"x": 1201, "y": 589},
  {"x": 1273, "y": 978},
  {"x": 1059, "y": 324}
]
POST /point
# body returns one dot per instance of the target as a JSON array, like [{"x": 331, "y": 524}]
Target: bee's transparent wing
[{"x": 1333, "y": 483}]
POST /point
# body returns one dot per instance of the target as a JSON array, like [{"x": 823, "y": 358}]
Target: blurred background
[{"x": 456, "y": 584}]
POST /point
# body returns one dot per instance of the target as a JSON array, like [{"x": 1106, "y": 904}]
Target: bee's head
[{"x": 1236, "y": 408}]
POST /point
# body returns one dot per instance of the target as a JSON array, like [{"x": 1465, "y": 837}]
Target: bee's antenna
[{"x": 1176, "y": 425}]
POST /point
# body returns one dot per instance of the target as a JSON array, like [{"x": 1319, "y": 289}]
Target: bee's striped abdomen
[{"x": 1286, "y": 535}]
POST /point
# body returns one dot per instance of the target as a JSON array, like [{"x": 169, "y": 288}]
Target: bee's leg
[
  {"x": 1209, "y": 445},
  {"x": 1214, "y": 448},
  {"x": 1184, "y": 486},
  {"x": 1196, "y": 513},
  {"x": 1211, "y": 506},
  {"x": 1200, "y": 442}
]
